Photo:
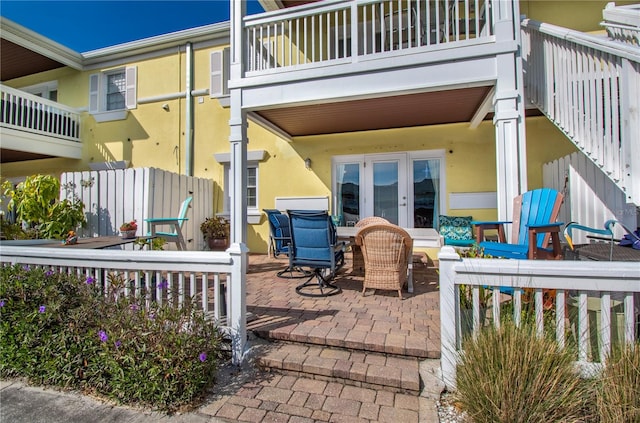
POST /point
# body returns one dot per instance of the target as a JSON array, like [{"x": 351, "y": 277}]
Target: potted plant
[
  {"x": 129, "y": 229},
  {"x": 216, "y": 232}
]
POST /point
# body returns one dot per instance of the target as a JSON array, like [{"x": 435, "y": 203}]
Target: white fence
[
  {"x": 590, "y": 88},
  {"x": 343, "y": 30},
  {"x": 112, "y": 197},
  {"x": 214, "y": 280},
  {"x": 575, "y": 282},
  {"x": 591, "y": 198}
]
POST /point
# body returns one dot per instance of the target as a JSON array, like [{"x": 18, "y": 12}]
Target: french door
[{"x": 404, "y": 188}]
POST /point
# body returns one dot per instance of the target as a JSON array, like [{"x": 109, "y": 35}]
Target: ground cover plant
[
  {"x": 618, "y": 390},
  {"x": 59, "y": 329}
]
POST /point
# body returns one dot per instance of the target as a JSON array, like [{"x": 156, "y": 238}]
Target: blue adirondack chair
[
  {"x": 314, "y": 245},
  {"x": 534, "y": 223},
  {"x": 174, "y": 222}
]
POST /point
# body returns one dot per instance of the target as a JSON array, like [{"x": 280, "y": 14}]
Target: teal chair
[
  {"x": 534, "y": 224},
  {"x": 457, "y": 231},
  {"x": 174, "y": 222}
]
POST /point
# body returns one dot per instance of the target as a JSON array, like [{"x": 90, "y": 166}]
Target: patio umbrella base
[{"x": 321, "y": 287}]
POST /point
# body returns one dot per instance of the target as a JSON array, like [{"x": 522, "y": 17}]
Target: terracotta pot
[{"x": 218, "y": 244}]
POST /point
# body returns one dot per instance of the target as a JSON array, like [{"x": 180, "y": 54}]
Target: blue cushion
[
  {"x": 456, "y": 230},
  {"x": 280, "y": 224}
]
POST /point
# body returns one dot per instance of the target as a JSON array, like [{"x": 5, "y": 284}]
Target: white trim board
[
  {"x": 472, "y": 200},
  {"x": 302, "y": 203}
]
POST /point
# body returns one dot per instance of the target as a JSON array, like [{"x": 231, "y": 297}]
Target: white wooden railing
[
  {"x": 571, "y": 279},
  {"x": 333, "y": 30},
  {"x": 26, "y": 112},
  {"x": 214, "y": 280},
  {"x": 590, "y": 88}
]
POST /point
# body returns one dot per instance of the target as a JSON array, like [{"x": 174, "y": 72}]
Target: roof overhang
[{"x": 24, "y": 52}]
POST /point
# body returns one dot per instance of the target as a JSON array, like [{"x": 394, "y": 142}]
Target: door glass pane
[
  {"x": 426, "y": 183},
  {"x": 385, "y": 190},
  {"x": 348, "y": 193}
]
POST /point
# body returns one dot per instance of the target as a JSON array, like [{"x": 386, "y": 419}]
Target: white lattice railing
[
  {"x": 590, "y": 88},
  {"x": 575, "y": 280},
  {"x": 343, "y": 30},
  {"x": 26, "y": 112},
  {"x": 214, "y": 280}
]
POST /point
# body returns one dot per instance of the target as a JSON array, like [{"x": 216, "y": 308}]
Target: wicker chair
[
  {"x": 386, "y": 249},
  {"x": 356, "y": 252}
]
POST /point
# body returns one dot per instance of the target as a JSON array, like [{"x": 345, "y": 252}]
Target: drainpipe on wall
[{"x": 188, "y": 118}]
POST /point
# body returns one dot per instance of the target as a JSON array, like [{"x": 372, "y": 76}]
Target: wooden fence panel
[{"x": 114, "y": 196}]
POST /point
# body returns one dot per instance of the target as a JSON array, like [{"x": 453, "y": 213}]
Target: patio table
[
  {"x": 422, "y": 237},
  {"x": 98, "y": 242}
]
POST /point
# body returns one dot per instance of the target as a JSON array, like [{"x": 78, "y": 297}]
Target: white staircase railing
[{"x": 590, "y": 88}]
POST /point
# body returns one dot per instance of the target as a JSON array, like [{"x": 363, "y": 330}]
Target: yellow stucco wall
[
  {"x": 153, "y": 137},
  {"x": 578, "y": 15}
]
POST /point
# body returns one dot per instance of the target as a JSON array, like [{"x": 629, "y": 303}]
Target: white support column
[
  {"x": 448, "y": 345},
  {"x": 238, "y": 129},
  {"x": 237, "y": 314},
  {"x": 511, "y": 157}
]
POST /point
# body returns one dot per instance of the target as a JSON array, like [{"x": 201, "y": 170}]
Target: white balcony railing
[
  {"x": 576, "y": 283},
  {"x": 332, "y": 30},
  {"x": 26, "y": 112},
  {"x": 588, "y": 86},
  {"x": 158, "y": 276}
]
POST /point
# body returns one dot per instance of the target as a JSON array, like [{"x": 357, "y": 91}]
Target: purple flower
[
  {"x": 49, "y": 273},
  {"x": 26, "y": 268},
  {"x": 202, "y": 357},
  {"x": 2, "y": 303},
  {"x": 90, "y": 280},
  {"x": 163, "y": 285},
  {"x": 133, "y": 307},
  {"x": 118, "y": 343},
  {"x": 42, "y": 309},
  {"x": 103, "y": 336},
  {"x": 152, "y": 316}
]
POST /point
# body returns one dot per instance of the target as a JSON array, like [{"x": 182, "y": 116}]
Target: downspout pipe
[{"x": 188, "y": 118}]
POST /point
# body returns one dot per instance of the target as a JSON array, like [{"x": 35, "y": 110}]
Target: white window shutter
[
  {"x": 131, "y": 76},
  {"x": 216, "y": 88},
  {"x": 94, "y": 91},
  {"x": 226, "y": 70}
]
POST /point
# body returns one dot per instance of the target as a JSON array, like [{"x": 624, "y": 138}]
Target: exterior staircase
[{"x": 589, "y": 87}]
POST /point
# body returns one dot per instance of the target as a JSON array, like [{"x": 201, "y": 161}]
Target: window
[
  {"x": 112, "y": 93},
  {"x": 254, "y": 214},
  {"x": 47, "y": 90},
  {"x": 116, "y": 88}
]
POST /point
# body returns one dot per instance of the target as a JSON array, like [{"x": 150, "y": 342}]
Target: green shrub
[
  {"x": 59, "y": 329},
  {"x": 511, "y": 375},
  {"x": 38, "y": 204},
  {"x": 618, "y": 393}
]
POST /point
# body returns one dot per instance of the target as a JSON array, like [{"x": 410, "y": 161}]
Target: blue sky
[{"x": 88, "y": 25}]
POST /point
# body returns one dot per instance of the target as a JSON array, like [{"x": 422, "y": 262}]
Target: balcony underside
[
  {"x": 419, "y": 94},
  {"x": 21, "y": 145},
  {"x": 398, "y": 111}
]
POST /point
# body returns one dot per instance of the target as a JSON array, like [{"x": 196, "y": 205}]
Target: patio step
[
  {"x": 407, "y": 345},
  {"x": 362, "y": 369}
]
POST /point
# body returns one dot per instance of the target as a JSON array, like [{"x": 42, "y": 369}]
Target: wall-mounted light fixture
[{"x": 307, "y": 163}]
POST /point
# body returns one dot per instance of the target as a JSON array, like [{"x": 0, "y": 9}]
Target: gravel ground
[{"x": 448, "y": 412}]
